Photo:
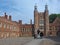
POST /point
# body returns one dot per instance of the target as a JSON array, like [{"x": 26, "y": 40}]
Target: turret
[
  {"x": 35, "y": 19},
  {"x": 20, "y": 21},
  {"x": 30, "y": 21},
  {"x": 10, "y": 18},
  {"x": 35, "y": 13},
  {"x": 46, "y": 8},
  {"x": 46, "y": 15},
  {"x": 6, "y": 16},
  {"x": 35, "y": 8}
]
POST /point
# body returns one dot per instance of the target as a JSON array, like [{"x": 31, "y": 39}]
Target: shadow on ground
[{"x": 55, "y": 38}]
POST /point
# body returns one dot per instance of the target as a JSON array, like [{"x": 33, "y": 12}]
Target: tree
[
  {"x": 52, "y": 17},
  {"x": 58, "y": 15}
]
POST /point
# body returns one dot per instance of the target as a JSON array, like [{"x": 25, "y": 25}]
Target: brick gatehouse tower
[{"x": 41, "y": 21}]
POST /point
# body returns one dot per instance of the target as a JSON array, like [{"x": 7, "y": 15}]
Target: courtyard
[{"x": 29, "y": 41}]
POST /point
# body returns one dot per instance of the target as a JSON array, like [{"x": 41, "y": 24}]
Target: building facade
[
  {"x": 54, "y": 27},
  {"x": 9, "y": 28},
  {"x": 41, "y": 21}
]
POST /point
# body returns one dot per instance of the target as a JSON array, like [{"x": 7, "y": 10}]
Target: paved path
[
  {"x": 15, "y": 41},
  {"x": 34, "y": 42},
  {"x": 43, "y": 41},
  {"x": 26, "y": 41}
]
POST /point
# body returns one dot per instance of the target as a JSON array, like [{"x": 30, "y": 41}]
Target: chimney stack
[
  {"x": 10, "y": 17},
  {"x": 6, "y": 16},
  {"x": 20, "y": 21},
  {"x": 30, "y": 21}
]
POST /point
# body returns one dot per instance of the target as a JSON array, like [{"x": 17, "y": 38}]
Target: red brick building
[
  {"x": 41, "y": 21},
  {"x": 55, "y": 27},
  {"x": 9, "y": 28}
]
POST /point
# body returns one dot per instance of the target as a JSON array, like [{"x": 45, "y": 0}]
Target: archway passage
[
  {"x": 38, "y": 32},
  {"x": 41, "y": 34}
]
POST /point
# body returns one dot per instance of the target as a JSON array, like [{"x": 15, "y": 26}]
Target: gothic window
[
  {"x": 21, "y": 29},
  {"x": 4, "y": 25},
  {"x": 14, "y": 28},
  {"x": 56, "y": 28},
  {"x": 10, "y": 27},
  {"x": 50, "y": 28},
  {"x": 0, "y": 24},
  {"x": 27, "y": 30},
  {"x": 50, "y": 33},
  {"x": 24, "y": 29},
  {"x": 7, "y": 26},
  {"x": 30, "y": 29},
  {"x": 41, "y": 22},
  {"x": 41, "y": 27}
]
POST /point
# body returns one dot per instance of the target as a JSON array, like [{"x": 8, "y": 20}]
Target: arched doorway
[
  {"x": 39, "y": 34},
  {"x": 38, "y": 31}
]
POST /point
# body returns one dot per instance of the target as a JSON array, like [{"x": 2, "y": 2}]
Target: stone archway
[{"x": 38, "y": 31}]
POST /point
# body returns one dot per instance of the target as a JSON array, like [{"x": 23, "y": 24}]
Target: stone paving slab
[
  {"x": 47, "y": 42},
  {"x": 43, "y": 41},
  {"x": 27, "y": 41},
  {"x": 15, "y": 41}
]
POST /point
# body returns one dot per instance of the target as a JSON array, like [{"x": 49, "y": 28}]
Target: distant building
[{"x": 9, "y": 28}]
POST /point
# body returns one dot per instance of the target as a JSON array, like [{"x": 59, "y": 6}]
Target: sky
[{"x": 24, "y": 9}]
